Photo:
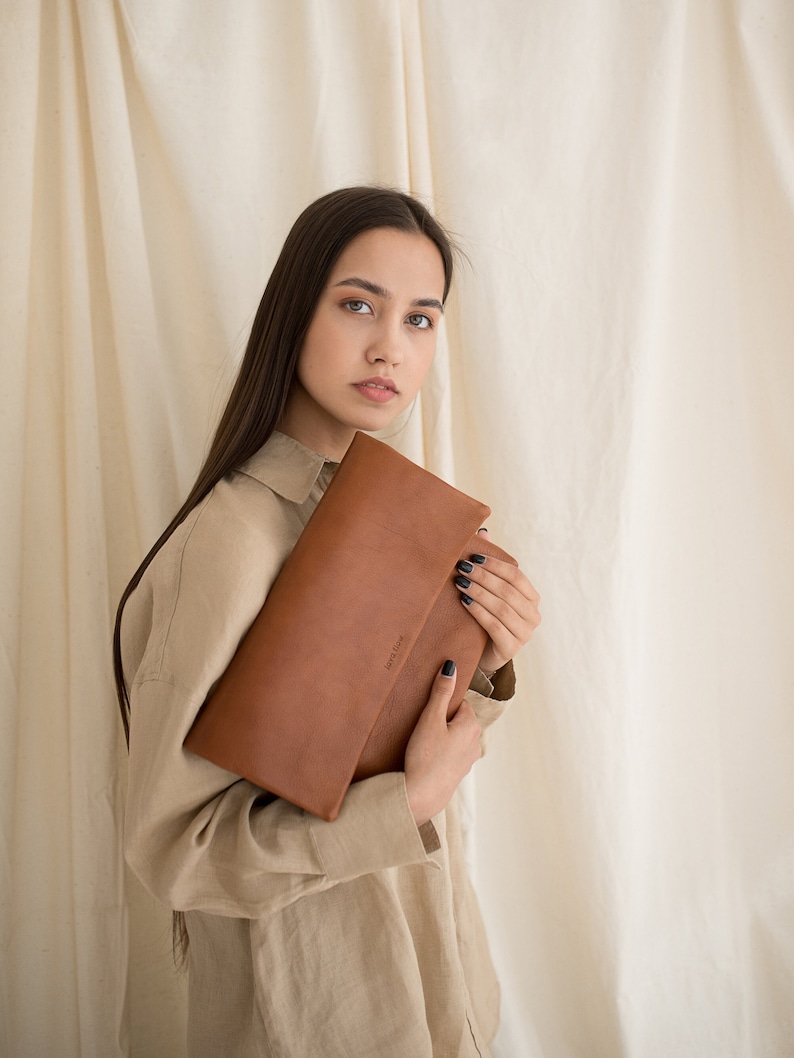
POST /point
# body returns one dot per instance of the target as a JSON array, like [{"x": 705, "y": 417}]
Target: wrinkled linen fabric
[
  {"x": 318, "y": 939},
  {"x": 616, "y": 382}
]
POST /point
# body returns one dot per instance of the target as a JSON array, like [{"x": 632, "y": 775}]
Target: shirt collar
[{"x": 286, "y": 466}]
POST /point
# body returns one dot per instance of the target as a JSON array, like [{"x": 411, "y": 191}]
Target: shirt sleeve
[
  {"x": 200, "y": 838},
  {"x": 490, "y": 697}
]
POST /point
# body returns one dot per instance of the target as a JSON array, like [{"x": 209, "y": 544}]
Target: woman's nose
[{"x": 385, "y": 346}]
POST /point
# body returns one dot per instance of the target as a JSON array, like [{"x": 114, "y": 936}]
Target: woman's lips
[{"x": 379, "y": 392}]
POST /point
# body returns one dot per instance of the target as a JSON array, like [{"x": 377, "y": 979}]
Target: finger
[
  {"x": 501, "y": 567},
  {"x": 442, "y": 690},
  {"x": 490, "y": 571},
  {"x": 507, "y": 627},
  {"x": 465, "y": 715},
  {"x": 499, "y": 595},
  {"x": 504, "y": 626}
]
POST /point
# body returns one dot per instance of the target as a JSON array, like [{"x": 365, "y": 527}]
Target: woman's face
[{"x": 370, "y": 342}]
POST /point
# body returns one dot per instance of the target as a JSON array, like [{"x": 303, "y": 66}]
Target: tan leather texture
[
  {"x": 355, "y": 627},
  {"x": 449, "y": 632}
]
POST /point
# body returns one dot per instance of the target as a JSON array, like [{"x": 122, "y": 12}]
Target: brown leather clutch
[{"x": 328, "y": 683}]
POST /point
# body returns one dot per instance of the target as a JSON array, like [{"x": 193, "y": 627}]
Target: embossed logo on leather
[{"x": 394, "y": 651}]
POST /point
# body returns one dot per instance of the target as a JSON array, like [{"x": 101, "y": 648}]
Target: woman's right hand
[{"x": 440, "y": 754}]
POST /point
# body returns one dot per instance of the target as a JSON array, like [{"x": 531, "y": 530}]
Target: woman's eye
[
  {"x": 358, "y": 306},
  {"x": 420, "y": 321}
]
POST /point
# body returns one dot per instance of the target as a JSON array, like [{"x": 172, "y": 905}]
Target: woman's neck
[{"x": 307, "y": 422}]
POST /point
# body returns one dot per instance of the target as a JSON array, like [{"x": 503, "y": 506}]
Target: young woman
[{"x": 304, "y": 938}]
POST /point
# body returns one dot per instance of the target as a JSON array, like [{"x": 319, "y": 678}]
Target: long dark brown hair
[
  {"x": 260, "y": 392},
  {"x": 259, "y": 395}
]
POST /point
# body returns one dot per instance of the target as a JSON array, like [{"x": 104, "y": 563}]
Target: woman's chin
[{"x": 376, "y": 418}]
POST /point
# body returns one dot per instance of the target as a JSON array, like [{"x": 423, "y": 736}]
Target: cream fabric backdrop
[{"x": 618, "y": 387}]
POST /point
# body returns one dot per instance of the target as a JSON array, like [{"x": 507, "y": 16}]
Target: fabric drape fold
[{"x": 614, "y": 379}]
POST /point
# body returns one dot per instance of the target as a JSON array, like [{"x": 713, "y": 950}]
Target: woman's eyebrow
[
  {"x": 382, "y": 292},
  {"x": 364, "y": 284}
]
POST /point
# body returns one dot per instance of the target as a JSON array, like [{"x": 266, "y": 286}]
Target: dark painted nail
[
  {"x": 448, "y": 668},
  {"x": 479, "y": 559},
  {"x": 463, "y": 582},
  {"x": 466, "y": 600},
  {"x": 465, "y": 567}
]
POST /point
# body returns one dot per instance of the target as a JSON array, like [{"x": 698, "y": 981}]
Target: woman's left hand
[{"x": 504, "y": 602}]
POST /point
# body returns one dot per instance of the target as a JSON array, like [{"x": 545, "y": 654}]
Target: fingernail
[
  {"x": 479, "y": 559},
  {"x": 448, "y": 668},
  {"x": 466, "y": 600},
  {"x": 465, "y": 567},
  {"x": 463, "y": 582},
  {"x": 483, "y": 530}
]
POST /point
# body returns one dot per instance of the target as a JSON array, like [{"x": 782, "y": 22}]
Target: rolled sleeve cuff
[
  {"x": 480, "y": 684},
  {"x": 490, "y": 705},
  {"x": 504, "y": 683},
  {"x": 374, "y": 830},
  {"x": 501, "y": 686}
]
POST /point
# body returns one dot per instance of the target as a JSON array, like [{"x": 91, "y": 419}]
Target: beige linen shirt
[{"x": 308, "y": 939}]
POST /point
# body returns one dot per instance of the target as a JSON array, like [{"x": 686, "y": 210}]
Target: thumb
[{"x": 443, "y": 689}]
